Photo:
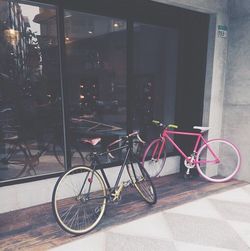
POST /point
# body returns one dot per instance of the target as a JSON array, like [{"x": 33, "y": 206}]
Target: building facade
[{"x": 90, "y": 70}]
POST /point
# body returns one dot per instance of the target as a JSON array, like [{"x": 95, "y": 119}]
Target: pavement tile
[
  {"x": 204, "y": 231},
  {"x": 121, "y": 242},
  {"x": 94, "y": 242},
  {"x": 247, "y": 189},
  {"x": 202, "y": 208},
  {"x": 219, "y": 222},
  {"x": 152, "y": 226},
  {"x": 243, "y": 230},
  {"x": 234, "y": 195},
  {"x": 232, "y": 210},
  {"x": 183, "y": 246}
]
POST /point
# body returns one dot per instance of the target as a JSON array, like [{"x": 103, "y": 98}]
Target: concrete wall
[
  {"x": 236, "y": 114},
  {"x": 206, "y": 6}
]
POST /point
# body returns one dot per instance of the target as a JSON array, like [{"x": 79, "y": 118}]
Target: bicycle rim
[
  {"x": 79, "y": 200},
  {"x": 154, "y": 161},
  {"x": 227, "y": 165},
  {"x": 142, "y": 182}
]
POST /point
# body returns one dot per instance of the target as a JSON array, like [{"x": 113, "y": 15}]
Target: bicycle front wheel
[
  {"x": 79, "y": 200},
  {"x": 218, "y": 160},
  {"x": 142, "y": 181},
  {"x": 154, "y": 157}
]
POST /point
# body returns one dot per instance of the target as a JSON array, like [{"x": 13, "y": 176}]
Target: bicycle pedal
[{"x": 115, "y": 199}]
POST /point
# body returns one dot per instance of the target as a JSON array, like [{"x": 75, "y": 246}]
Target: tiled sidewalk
[{"x": 219, "y": 222}]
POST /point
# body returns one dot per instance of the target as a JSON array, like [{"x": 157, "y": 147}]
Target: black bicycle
[{"x": 81, "y": 194}]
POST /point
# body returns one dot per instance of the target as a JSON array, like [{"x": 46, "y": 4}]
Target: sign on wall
[{"x": 222, "y": 31}]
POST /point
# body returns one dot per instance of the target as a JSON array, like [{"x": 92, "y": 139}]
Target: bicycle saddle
[
  {"x": 93, "y": 141},
  {"x": 202, "y": 128}
]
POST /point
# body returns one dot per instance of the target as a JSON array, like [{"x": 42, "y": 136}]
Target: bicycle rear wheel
[
  {"x": 154, "y": 157},
  {"x": 142, "y": 181},
  {"x": 79, "y": 200},
  {"x": 218, "y": 160}
]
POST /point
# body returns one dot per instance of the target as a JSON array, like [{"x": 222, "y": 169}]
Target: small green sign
[
  {"x": 222, "y": 27},
  {"x": 222, "y": 31}
]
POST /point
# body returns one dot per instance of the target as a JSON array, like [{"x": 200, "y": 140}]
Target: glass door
[{"x": 96, "y": 80}]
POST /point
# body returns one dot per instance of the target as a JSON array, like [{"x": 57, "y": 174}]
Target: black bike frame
[{"x": 98, "y": 164}]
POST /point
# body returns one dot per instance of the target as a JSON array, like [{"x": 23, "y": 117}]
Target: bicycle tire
[
  {"x": 228, "y": 163},
  {"x": 142, "y": 181},
  {"x": 15, "y": 161},
  {"x": 77, "y": 212},
  {"x": 151, "y": 160}
]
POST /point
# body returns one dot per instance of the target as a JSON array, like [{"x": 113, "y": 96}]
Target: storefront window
[
  {"x": 155, "y": 63},
  {"x": 30, "y": 98},
  {"x": 109, "y": 79},
  {"x": 96, "y": 79}
]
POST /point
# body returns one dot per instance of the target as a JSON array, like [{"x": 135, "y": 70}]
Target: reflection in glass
[
  {"x": 155, "y": 63},
  {"x": 96, "y": 78},
  {"x": 30, "y": 99}
]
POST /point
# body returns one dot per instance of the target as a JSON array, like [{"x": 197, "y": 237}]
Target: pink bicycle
[{"x": 216, "y": 160}]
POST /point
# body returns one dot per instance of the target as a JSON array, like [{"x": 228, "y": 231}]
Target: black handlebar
[{"x": 124, "y": 138}]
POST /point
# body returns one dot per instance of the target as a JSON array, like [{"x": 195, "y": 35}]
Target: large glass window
[
  {"x": 109, "y": 87},
  {"x": 96, "y": 79},
  {"x": 30, "y": 98}
]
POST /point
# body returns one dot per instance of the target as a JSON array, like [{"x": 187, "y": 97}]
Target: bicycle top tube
[
  {"x": 166, "y": 129},
  {"x": 166, "y": 132},
  {"x": 99, "y": 154}
]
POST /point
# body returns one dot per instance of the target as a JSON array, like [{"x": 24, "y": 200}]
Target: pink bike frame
[{"x": 166, "y": 136}]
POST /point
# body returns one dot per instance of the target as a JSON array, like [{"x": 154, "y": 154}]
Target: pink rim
[
  {"x": 230, "y": 176},
  {"x": 145, "y": 155}
]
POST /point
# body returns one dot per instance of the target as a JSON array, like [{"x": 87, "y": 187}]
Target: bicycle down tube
[
  {"x": 120, "y": 172},
  {"x": 200, "y": 138}
]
